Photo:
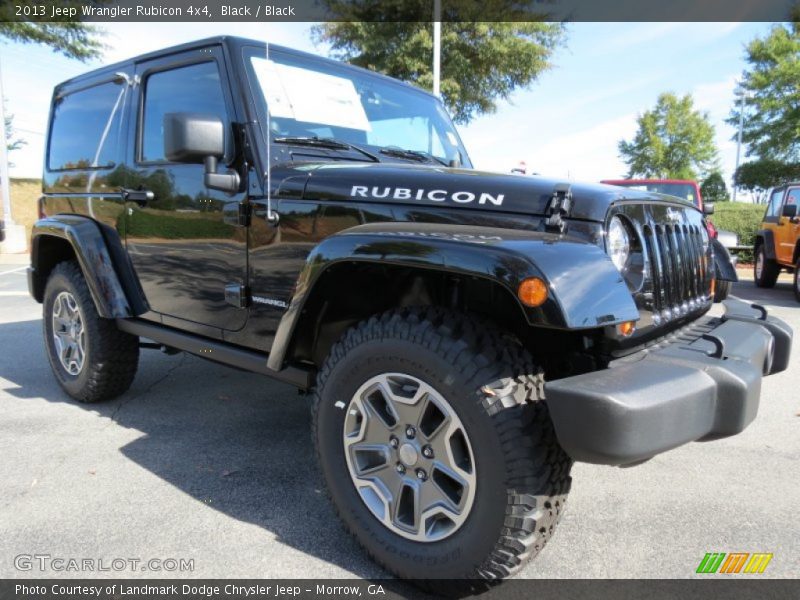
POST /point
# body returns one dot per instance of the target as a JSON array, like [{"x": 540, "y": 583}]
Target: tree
[
  {"x": 714, "y": 189},
  {"x": 70, "y": 38},
  {"x": 11, "y": 143},
  {"x": 771, "y": 95},
  {"x": 481, "y": 63},
  {"x": 757, "y": 175},
  {"x": 673, "y": 141}
]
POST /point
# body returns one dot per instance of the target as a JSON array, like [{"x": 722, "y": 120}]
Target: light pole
[
  {"x": 437, "y": 43},
  {"x": 741, "y": 94}
]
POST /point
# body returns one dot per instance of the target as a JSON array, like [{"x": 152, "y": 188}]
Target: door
[
  {"x": 772, "y": 218},
  {"x": 185, "y": 244},
  {"x": 788, "y": 230}
]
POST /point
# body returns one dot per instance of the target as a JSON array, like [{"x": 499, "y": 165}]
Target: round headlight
[{"x": 619, "y": 243}]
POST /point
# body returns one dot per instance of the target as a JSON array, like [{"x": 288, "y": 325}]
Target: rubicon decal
[
  {"x": 734, "y": 562},
  {"x": 390, "y": 193}
]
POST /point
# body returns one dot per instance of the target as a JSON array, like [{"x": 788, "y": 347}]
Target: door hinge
[
  {"x": 237, "y": 294},
  {"x": 559, "y": 207},
  {"x": 245, "y": 213}
]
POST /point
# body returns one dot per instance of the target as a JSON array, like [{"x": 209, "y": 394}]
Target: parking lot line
[{"x": 13, "y": 271}]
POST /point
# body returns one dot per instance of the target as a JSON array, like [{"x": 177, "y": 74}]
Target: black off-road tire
[
  {"x": 723, "y": 290},
  {"x": 490, "y": 380},
  {"x": 111, "y": 356},
  {"x": 797, "y": 280},
  {"x": 769, "y": 272}
]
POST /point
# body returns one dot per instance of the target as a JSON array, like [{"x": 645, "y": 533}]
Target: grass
[{"x": 24, "y": 202}]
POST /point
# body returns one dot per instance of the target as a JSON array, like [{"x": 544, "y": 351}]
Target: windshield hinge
[
  {"x": 559, "y": 207},
  {"x": 245, "y": 211}
]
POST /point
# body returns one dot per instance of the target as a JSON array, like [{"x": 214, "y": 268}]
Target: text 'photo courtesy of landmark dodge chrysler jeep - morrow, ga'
[{"x": 466, "y": 335}]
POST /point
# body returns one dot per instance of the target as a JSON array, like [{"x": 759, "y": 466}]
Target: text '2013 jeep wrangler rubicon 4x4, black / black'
[{"x": 466, "y": 335}]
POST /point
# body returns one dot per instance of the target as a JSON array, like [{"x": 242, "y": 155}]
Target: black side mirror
[
  {"x": 708, "y": 208},
  {"x": 789, "y": 210},
  {"x": 197, "y": 138}
]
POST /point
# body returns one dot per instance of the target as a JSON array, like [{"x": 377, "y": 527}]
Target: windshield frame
[{"x": 335, "y": 67}]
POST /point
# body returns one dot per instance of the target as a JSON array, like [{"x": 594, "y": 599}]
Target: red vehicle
[{"x": 685, "y": 189}]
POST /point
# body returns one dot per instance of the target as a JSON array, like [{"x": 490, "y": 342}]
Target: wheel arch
[
  {"x": 371, "y": 269},
  {"x": 767, "y": 238},
  {"x": 99, "y": 253}
]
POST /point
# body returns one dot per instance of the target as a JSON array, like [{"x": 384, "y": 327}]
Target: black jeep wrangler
[{"x": 465, "y": 335}]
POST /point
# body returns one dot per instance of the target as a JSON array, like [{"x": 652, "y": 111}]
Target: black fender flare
[
  {"x": 586, "y": 291},
  {"x": 723, "y": 264},
  {"x": 115, "y": 290},
  {"x": 767, "y": 237}
]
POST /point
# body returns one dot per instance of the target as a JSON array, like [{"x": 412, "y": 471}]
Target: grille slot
[{"x": 676, "y": 268}]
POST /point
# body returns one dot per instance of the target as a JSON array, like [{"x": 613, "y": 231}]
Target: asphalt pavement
[{"x": 203, "y": 463}]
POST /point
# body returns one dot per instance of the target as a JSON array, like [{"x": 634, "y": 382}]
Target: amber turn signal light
[
  {"x": 627, "y": 328},
  {"x": 713, "y": 289},
  {"x": 532, "y": 292}
]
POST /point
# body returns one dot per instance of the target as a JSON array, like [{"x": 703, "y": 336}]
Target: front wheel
[
  {"x": 722, "y": 291},
  {"x": 437, "y": 447},
  {"x": 797, "y": 280}
]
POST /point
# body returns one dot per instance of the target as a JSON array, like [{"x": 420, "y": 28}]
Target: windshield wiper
[
  {"x": 329, "y": 143},
  {"x": 417, "y": 155}
]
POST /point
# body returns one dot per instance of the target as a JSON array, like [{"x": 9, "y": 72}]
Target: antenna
[{"x": 272, "y": 217}]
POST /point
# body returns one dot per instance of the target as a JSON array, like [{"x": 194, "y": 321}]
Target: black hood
[{"x": 452, "y": 188}]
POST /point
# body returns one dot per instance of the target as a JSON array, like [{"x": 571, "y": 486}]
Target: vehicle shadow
[
  {"x": 782, "y": 295},
  {"x": 237, "y": 442}
]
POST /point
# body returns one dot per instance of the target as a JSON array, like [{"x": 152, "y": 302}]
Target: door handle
[{"x": 140, "y": 197}]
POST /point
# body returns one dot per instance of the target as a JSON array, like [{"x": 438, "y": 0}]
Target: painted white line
[
  {"x": 13, "y": 271},
  {"x": 20, "y": 294}
]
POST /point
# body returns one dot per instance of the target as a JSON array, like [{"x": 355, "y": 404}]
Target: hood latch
[{"x": 559, "y": 207}]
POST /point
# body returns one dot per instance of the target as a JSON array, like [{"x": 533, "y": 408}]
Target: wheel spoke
[
  {"x": 68, "y": 331},
  {"x": 409, "y": 457}
]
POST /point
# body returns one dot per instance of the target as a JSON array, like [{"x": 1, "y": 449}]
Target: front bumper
[{"x": 702, "y": 383}]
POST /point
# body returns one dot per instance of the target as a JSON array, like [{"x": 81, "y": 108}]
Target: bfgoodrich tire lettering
[
  {"x": 110, "y": 356},
  {"x": 496, "y": 390}
]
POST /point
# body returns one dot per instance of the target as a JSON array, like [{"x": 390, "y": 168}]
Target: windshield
[
  {"x": 318, "y": 99},
  {"x": 684, "y": 191}
]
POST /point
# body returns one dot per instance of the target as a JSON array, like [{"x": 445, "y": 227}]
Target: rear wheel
[
  {"x": 765, "y": 270},
  {"x": 437, "y": 447},
  {"x": 91, "y": 359}
]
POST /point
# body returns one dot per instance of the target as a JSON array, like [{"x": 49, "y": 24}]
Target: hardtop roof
[{"x": 234, "y": 43}]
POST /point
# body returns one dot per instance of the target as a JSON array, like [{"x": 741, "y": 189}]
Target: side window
[
  {"x": 793, "y": 196},
  {"x": 774, "y": 208},
  {"x": 193, "y": 89},
  {"x": 86, "y": 128}
]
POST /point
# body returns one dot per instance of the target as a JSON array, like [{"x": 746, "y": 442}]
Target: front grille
[{"x": 677, "y": 267}]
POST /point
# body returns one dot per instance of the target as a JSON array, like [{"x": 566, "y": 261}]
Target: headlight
[{"x": 619, "y": 243}]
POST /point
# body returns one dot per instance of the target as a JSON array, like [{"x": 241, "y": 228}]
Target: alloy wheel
[{"x": 409, "y": 457}]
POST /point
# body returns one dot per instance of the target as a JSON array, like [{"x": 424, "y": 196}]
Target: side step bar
[{"x": 216, "y": 351}]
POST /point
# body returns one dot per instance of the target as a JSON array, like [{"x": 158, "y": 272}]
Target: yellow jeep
[{"x": 777, "y": 243}]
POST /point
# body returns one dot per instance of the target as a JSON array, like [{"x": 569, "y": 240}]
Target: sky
[{"x": 567, "y": 124}]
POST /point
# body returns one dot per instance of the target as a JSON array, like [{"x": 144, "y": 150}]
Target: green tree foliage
[
  {"x": 772, "y": 95},
  {"x": 12, "y": 142},
  {"x": 757, "y": 175},
  {"x": 714, "y": 189},
  {"x": 673, "y": 141},
  {"x": 70, "y": 38},
  {"x": 481, "y": 63}
]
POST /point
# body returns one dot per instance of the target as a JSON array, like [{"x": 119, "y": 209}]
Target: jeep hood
[{"x": 467, "y": 189}]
